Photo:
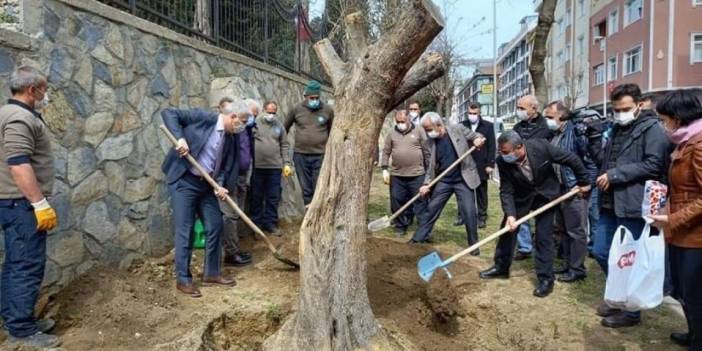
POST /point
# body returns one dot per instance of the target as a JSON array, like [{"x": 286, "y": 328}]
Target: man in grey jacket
[
  {"x": 271, "y": 161},
  {"x": 447, "y": 144},
  {"x": 406, "y": 145}
]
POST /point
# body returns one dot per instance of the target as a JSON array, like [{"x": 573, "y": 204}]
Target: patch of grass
[
  {"x": 7, "y": 18},
  {"x": 274, "y": 313}
]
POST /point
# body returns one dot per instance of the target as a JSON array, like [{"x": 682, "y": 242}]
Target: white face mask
[
  {"x": 41, "y": 104},
  {"x": 269, "y": 117},
  {"x": 414, "y": 114},
  {"x": 522, "y": 115},
  {"x": 473, "y": 118},
  {"x": 552, "y": 125},
  {"x": 240, "y": 128},
  {"x": 433, "y": 134},
  {"x": 624, "y": 118},
  {"x": 401, "y": 126}
]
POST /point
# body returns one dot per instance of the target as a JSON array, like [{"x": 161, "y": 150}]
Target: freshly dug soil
[{"x": 442, "y": 299}]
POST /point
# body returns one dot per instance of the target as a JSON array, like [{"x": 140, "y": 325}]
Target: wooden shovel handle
[
  {"x": 433, "y": 182},
  {"x": 506, "y": 229},
  {"x": 214, "y": 185}
]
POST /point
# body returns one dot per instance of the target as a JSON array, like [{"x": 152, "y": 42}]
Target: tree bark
[
  {"x": 333, "y": 311},
  {"x": 537, "y": 68}
]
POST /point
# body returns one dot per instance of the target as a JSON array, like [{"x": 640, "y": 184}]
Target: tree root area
[{"x": 140, "y": 309}]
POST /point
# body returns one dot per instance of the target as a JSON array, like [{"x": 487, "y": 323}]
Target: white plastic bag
[{"x": 636, "y": 270}]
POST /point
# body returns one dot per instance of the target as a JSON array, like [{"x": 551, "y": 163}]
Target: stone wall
[{"x": 110, "y": 76}]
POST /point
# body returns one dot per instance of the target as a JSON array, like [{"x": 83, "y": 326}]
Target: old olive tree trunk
[{"x": 334, "y": 312}]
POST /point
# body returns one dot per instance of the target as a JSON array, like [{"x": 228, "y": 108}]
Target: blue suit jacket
[{"x": 196, "y": 126}]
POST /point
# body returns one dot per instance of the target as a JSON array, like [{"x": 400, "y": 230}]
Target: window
[
  {"x": 612, "y": 69},
  {"x": 599, "y": 74},
  {"x": 581, "y": 8},
  {"x": 581, "y": 45},
  {"x": 559, "y": 58},
  {"x": 633, "y": 11},
  {"x": 600, "y": 29},
  {"x": 561, "y": 26},
  {"x": 632, "y": 61},
  {"x": 696, "y": 3},
  {"x": 613, "y": 22},
  {"x": 696, "y": 47},
  {"x": 567, "y": 18}
]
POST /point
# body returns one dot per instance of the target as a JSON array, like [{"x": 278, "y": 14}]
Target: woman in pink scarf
[{"x": 681, "y": 111}]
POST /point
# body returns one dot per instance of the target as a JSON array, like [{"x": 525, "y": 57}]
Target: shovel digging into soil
[
  {"x": 233, "y": 205},
  {"x": 431, "y": 262},
  {"x": 384, "y": 222}
]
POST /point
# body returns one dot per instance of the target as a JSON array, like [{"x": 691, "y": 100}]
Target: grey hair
[
  {"x": 253, "y": 103},
  {"x": 237, "y": 107},
  {"x": 24, "y": 77},
  {"x": 561, "y": 108},
  {"x": 432, "y": 117},
  {"x": 531, "y": 100},
  {"x": 510, "y": 137}
]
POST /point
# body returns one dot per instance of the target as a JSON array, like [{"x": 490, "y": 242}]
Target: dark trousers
[
  {"x": 571, "y": 221},
  {"x": 481, "y": 198},
  {"x": 466, "y": 206},
  {"x": 402, "y": 189},
  {"x": 265, "y": 190},
  {"x": 232, "y": 228},
  {"x": 686, "y": 272},
  {"x": 192, "y": 195},
  {"x": 544, "y": 255},
  {"x": 307, "y": 167},
  {"x": 23, "y": 269},
  {"x": 593, "y": 216}
]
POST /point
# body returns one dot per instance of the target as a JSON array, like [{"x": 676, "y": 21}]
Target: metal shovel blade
[
  {"x": 428, "y": 264},
  {"x": 379, "y": 224}
]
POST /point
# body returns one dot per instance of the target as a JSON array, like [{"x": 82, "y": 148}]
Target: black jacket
[
  {"x": 517, "y": 193},
  {"x": 536, "y": 129},
  {"x": 485, "y": 156},
  {"x": 643, "y": 156}
]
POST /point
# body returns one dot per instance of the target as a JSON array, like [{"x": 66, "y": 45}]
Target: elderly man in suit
[
  {"x": 447, "y": 144},
  {"x": 209, "y": 137},
  {"x": 528, "y": 181}
]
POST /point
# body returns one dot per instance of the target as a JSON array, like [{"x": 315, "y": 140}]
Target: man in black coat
[
  {"x": 527, "y": 182},
  {"x": 484, "y": 160}
]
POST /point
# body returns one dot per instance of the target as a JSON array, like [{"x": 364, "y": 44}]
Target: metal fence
[{"x": 276, "y": 32}]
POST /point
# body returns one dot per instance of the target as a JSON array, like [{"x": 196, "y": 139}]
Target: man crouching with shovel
[
  {"x": 209, "y": 138},
  {"x": 528, "y": 181}
]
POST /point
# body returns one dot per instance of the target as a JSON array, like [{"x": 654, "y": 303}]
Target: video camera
[{"x": 588, "y": 123}]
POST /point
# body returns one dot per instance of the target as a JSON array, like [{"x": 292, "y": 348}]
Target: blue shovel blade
[{"x": 428, "y": 264}]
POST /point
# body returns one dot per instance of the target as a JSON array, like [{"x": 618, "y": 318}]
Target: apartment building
[
  {"x": 513, "y": 63},
  {"x": 655, "y": 44},
  {"x": 478, "y": 89},
  {"x": 567, "y": 63}
]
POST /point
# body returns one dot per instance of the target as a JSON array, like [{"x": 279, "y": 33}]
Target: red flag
[{"x": 303, "y": 28}]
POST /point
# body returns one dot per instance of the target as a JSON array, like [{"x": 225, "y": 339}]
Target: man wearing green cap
[{"x": 313, "y": 121}]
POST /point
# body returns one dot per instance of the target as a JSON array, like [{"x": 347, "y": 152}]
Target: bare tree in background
[
  {"x": 333, "y": 310},
  {"x": 537, "y": 67}
]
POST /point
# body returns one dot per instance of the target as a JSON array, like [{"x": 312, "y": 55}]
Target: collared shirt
[
  {"x": 525, "y": 167},
  {"x": 210, "y": 158}
]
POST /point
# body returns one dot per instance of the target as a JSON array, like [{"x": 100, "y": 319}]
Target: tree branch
[
  {"x": 332, "y": 63},
  {"x": 425, "y": 71},
  {"x": 356, "y": 35}
]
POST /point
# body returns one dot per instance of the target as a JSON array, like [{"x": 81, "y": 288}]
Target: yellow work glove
[
  {"x": 386, "y": 177},
  {"x": 287, "y": 171},
  {"x": 46, "y": 216}
]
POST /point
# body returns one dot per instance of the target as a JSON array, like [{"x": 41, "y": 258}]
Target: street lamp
[{"x": 603, "y": 44}]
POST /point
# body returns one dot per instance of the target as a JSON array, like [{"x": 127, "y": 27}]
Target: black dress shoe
[
  {"x": 244, "y": 254},
  {"x": 412, "y": 241},
  {"x": 571, "y": 277},
  {"x": 521, "y": 256},
  {"x": 561, "y": 270},
  {"x": 482, "y": 224},
  {"x": 237, "y": 260},
  {"x": 475, "y": 252},
  {"x": 603, "y": 310},
  {"x": 682, "y": 339},
  {"x": 544, "y": 288},
  {"x": 494, "y": 273},
  {"x": 620, "y": 320}
]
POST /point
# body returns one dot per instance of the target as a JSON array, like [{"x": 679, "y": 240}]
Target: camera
[{"x": 588, "y": 123}]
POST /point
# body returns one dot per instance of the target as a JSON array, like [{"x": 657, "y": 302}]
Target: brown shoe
[
  {"x": 219, "y": 280},
  {"x": 189, "y": 289}
]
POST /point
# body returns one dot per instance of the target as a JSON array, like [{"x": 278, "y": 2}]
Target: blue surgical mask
[
  {"x": 250, "y": 121},
  {"x": 510, "y": 158},
  {"x": 313, "y": 104}
]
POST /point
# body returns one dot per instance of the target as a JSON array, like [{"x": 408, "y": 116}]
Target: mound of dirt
[{"x": 442, "y": 299}]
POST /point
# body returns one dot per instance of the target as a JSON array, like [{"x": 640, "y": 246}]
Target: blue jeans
[
  {"x": 524, "y": 241},
  {"x": 593, "y": 216},
  {"x": 190, "y": 195},
  {"x": 265, "y": 190},
  {"x": 23, "y": 270},
  {"x": 307, "y": 167},
  {"x": 607, "y": 225}
]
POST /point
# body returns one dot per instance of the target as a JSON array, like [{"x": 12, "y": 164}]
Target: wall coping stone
[
  {"x": 17, "y": 40},
  {"x": 117, "y": 15}
]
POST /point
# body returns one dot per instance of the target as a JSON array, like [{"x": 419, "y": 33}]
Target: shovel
[
  {"x": 231, "y": 203},
  {"x": 385, "y": 221},
  {"x": 431, "y": 262}
]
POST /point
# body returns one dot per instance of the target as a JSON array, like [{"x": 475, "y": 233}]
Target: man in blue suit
[{"x": 209, "y": 138}]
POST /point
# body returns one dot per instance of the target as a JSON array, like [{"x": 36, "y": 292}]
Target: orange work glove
[{"x": 46, "y": 216}]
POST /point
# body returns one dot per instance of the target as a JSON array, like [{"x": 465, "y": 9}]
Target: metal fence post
[
  {"x": 215, "y": 16},
  {"x": 132, "y": 6},
  {"x": 266, "y": 15}
]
